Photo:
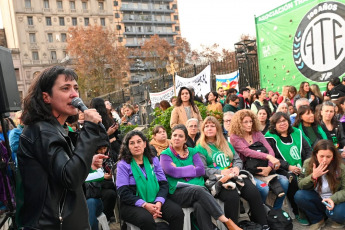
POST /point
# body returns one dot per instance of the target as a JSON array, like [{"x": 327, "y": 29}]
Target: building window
[
  {"x": 62, "y": 21},
  {"x": 74, "y": 21},
  {"x": 53, "y": 55},
  {"x": 84, "y": 5},
  {"x": 30, "y": 21},
  {"x": 72, "y": 5},
  {"x": 35, "y": 56},
  {"x": 32, "y": 37},
  {"x": 118, "y": 27},
  {"x": 48, "y": 21},
  {"x": 102, "y": 21},
  {"x": 117, "y": 15},
  {"x": 175, "y": 17},
  {"x": 50, "y": 37},
  {"x": 120, "y": 39},
  {"x": 177, "y": 28},
  {"x": 59, "y": 4},
  {"x": 63, "y": 37},
  {"x": 64, "y": 53},
  {"x": 174, "y": 6},
  {"x": 116, "y": 3},
  {"x": 101, "y": 5},
  {"x": 27, "y": 3},
  {"x": 46, "y": 4},
  {"x": 86, "y": 21}
]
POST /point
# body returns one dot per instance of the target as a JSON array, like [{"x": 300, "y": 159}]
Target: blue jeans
[
  {"x": 264, "y": 189},
  {"x": 95, "y": 207},
  {"x": 310, "y": 202}
]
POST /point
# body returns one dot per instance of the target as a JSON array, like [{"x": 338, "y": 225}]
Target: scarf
[
  {"x": 147, "y": 189},
  {"x": 160, "y": 147}
]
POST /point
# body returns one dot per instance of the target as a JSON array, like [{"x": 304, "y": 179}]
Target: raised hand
[{"x": 319, "y": 170}]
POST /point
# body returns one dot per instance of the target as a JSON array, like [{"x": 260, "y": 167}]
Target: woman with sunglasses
[{"x": 231, "y": 104}]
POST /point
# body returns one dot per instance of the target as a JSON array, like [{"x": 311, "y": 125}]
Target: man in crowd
[
  {"x": 52, "y": 164},
  {"x": 233, "y": 104},
  {"x": 300, "y": 102},
  {"x": 221, "y": 96},
  {"x": 244, "y": 98},
  {"x": 337, "y": 89}
]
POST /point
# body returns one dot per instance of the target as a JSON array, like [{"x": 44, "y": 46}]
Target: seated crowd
[{"x": 260, "y": 146}]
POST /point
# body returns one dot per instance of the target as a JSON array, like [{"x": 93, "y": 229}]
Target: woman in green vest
[
  {"x": 291, "y": 149},
  {"x": 305, "y": 121},
  {"x": 219, "y": 157},
  {"x": 185, "y": 170}
]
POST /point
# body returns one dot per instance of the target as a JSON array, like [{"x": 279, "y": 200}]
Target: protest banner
[
  {"x": 300, "y": 41},
  {"x": 228, "y": 81},
  {"x": 201, "y": 82},
  {"x": 164, "y": 95}
]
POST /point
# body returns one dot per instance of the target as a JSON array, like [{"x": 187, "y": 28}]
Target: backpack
[
  {"x": 248, "y": 225},
  {"x": 278, "y": 219}
]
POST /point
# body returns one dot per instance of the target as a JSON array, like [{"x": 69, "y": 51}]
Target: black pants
[
  {"x": 250, "y": 193},
  {"x": 140, "y": 217},
  {"x": 293, "y": 188},
  {"x": 109, "y": 200},
  {"x": 203, "y": 203}
]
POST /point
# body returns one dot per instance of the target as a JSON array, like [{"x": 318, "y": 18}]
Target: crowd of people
[{"x": 261, "y": 146}]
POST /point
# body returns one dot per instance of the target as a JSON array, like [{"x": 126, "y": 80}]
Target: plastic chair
[
  {"x": 187, "y": 225},
  {"x": 103, "y": 222}
]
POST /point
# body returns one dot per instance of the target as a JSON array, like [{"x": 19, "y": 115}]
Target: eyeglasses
[
  {"x": 247, "y": 122},
  {"x": 227, "y": 121},
  {"x": 281, "y": 122}
]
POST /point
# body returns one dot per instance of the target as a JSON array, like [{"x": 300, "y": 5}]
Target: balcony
[
  {"x": 29, "y": 9},
  {"x": 85, "y": 11},
  {"x": 148, "y": 21},
  {"x": 46, "y": 10},
  {"x": 150, "y": 33},
  {"x": 60, "y": 10},
  {"x": 132, "y": 9},
  {"x": 73, "y": 11}
]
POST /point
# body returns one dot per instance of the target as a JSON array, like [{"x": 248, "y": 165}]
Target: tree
[
  {"x": 100, "y": 64},
  {"x": 207, "y": 54}
]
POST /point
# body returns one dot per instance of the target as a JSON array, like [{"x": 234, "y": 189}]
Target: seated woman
[
  {"x": 323, "y": 180},
  {"x": 193, "y": 132},
  {"x": 185, "y": 108},
  {"x": 244, "y": 132},
  {"x": 291, "y": 149},
  {"x": 213, "y": 105},
  {"x": 311, "y": 131},
  {"x": 330, "y": 124},
  {"x": 183, "y": 164},
  {"x": 264, "y": 119},
  {"x": 159, "y": 140},
  {"x": 219, "y": 157},
  {"x": 142, "y": 186},
  {"x": 130, "y": 118}
]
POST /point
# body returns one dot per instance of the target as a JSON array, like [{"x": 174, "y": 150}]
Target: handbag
[{"x": 251, "y": 164}]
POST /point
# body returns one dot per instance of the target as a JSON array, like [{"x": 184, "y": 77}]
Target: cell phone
[{"x": 326, "y": 204}]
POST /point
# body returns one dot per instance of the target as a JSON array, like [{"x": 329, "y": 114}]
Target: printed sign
[
  {"x": 228, "y": 81},
  {"x": 164, "y": 95}
]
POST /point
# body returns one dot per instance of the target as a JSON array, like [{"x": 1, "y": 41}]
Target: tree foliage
[{"x": 99, "y": 63}]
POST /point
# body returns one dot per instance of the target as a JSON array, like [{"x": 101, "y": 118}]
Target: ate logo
[
  {"x": 319, "y": 42},
  {"x": 294, "y": 153}
]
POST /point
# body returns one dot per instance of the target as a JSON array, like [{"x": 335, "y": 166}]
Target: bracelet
[{"x": 143, "y": 206}]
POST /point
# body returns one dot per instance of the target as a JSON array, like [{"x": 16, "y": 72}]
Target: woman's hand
[
  {"x": 274, "y": 161},
  {"x": 158, "y": 210},
  {"x": 265, "y": 171},
  {"x": 151, "y": 208},
  {"x": 235, "y": 171},
  {"x": 111, "y": 130},
  {"x": 92, "y": 115},
  {"x": 319, "y": 170},
  {"x": 295, "y": 169},
  {"x": 97, "y": 161},
  {"x": 225, "y": 172},
  {"x": 107, "y": 176},
  {"x": 330, "y": 202}
]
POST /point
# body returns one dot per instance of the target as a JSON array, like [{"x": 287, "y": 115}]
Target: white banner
[
  {"x": 164, "y": 95},
  {"x": 228, "y": 81},
  {"x": 201, "y": 82}
]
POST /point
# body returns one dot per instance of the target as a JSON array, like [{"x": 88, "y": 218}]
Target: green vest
[
  {"x": 217, "y": 159},
  {"x": 291, "y": 152},
  {"x": 319, "y": 130},
  {"x": 181, "y": 163}
]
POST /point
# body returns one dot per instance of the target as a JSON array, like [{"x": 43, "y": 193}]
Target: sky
[{"x": 221, "y": 21}]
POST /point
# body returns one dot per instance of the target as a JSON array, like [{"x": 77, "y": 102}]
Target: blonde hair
[
  {"x": 236, "y": 122},
  {"x": 220, "y": 143}
]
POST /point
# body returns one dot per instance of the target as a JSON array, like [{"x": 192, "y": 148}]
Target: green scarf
[
  {"x": 291, "y": 153},
  {"x": 147, "y": 189},
  {"x": 319, "y": 130}
]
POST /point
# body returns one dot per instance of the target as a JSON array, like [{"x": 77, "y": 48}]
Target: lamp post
[{"x": 171, "y": 68}]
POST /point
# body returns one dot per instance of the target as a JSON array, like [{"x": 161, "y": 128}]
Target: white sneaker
[{"x": 337, "y": 225}]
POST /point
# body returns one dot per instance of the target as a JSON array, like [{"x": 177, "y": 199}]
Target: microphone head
[{"x": 79, "y": 104}]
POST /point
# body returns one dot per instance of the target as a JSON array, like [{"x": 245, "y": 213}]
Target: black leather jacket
[{"x": 52, "y": 172}]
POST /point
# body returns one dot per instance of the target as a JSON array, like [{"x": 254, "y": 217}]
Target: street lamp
[{"x": 172, "y": 67}]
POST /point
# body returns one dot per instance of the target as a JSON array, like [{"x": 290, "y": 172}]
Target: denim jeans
[
  {"x": 264, "y": 189},
  {"x": 310, "y": 202},
  {"x": 95, "y": 207}
]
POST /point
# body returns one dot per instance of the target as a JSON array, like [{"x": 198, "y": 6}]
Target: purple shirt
[
  {"x": 242, "y": 147},
  {"x": 124, "y": 176}
]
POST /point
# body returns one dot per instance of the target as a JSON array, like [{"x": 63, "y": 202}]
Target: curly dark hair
[
  {"x": 98, "y": 104},
  {"x": 34, "y": 107},
  {"x": 191, "y": 98},
  {"x": 273, "y": 122},
  {"x": 126, "y": 155}
]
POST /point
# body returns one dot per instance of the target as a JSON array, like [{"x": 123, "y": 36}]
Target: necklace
[{"x": 249, "y": 139}]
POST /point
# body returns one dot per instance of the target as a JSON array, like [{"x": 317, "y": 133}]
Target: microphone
[{"x": 78, "y": 103}]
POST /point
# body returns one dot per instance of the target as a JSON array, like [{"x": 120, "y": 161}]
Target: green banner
[{"x": 302, "y": 40}]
